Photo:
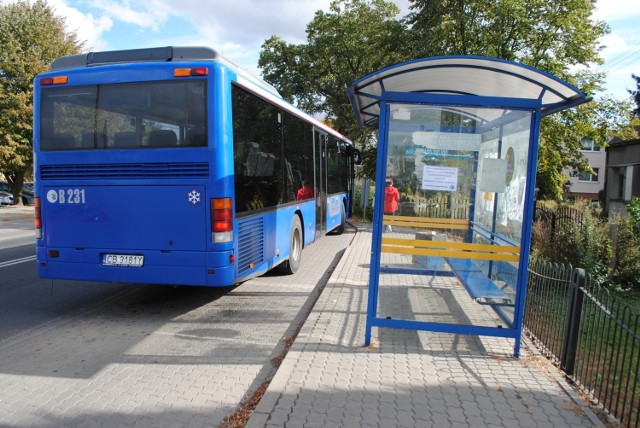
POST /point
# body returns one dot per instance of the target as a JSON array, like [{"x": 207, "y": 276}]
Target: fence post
[
  {"x": 572, "y": 325},
  {"x": 364, "y": 197}
]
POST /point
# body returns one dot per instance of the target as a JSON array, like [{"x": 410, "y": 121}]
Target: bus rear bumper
[{"x": 212, "y": 269}]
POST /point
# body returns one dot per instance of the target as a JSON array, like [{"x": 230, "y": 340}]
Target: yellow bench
[
  {"x": 420, "y": 247},
  {"x": 460, "y": 256},
  {"x": 425, "y": 222}
]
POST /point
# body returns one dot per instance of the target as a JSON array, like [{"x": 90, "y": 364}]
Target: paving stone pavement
[{"x": 408, "y": 378}]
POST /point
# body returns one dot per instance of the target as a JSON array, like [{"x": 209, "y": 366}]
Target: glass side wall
[{"x": 454, "y": 232}]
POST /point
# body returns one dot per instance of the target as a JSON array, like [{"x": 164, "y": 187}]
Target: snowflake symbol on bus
[{"x": 194, "y": 197}]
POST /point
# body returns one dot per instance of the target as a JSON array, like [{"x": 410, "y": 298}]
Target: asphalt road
[
  {"x": 27, "y": 301},
  {"x": 100, "y": 354}
]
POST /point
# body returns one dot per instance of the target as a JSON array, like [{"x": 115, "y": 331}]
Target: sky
[{"x": 237, "y": 28}]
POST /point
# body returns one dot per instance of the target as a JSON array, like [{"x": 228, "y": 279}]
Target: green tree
[
  {"x": 557, "y": 37},
  {"x": 31, "y": 36},
  {"x": 548, "y": 35},
  {"x": 357, "y": 37},
  {"x": 561, "y": 135},
  {"x": 352, "y": 39},
  {"x": 636, "y": 95}
]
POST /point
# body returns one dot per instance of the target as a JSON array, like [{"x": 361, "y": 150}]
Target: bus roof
[{"x": 161, "y": 54}]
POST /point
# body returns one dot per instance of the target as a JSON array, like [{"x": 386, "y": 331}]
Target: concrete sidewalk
[
  {"x": 407, "y": 378},
  {"x": 16, "y": 223},
  {"x": 12, "y": 212}
]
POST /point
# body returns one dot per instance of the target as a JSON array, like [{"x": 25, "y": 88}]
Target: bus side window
[
  {"x": 92, "y": 140},
  {"x": 196, "y": 138},
  {"x": 61, "y": 141},
  {"x": 265, "y": 167},
  {"x": 125, "y": 139},
  {"x": 252, "y": 159},
  {"x": 163, "y": 138}
]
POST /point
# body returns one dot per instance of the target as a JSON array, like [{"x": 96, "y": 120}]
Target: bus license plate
[{"x": 127, "y": 260}]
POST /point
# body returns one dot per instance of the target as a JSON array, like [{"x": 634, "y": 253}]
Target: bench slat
[
  {"x": 450, "y": 253},
  {"x": 465, "y": 246},
  {"x": 426, "y": 222},
  {"x": 463, "y": 250}
]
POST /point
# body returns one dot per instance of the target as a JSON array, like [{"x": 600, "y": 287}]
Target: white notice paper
[
  {"x": 493, "y": 173},
  {"x": 442, "y": 178}
]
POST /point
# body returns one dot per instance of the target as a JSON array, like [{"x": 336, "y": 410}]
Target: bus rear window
[{"x": 118, "y": 116}]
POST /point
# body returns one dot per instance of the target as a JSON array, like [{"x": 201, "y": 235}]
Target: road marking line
[{"x": 17, "y": 261}]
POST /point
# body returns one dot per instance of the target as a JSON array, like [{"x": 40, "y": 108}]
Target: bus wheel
[{"x": 295, "y": 250}]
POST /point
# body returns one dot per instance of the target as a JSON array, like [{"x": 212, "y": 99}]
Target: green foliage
[
  {"x": 31, "y": 36},
  {"x": 591, "y": 245},
  {"x": 549, "y": 35},
  {"x": 355, "y": 38},
  {"x": 554, "y": 36},
  {"x": 561, "y": 135},
  {"x": 636, "y": 95},
  {"x": 633, "y": 208},
  {"x": 586, "y": 242},
  {"x": 576, "y": 235},
  {"x": 625, "y": 270}
]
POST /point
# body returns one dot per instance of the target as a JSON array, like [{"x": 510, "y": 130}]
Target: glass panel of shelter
[{"x": 461, "y": 175}]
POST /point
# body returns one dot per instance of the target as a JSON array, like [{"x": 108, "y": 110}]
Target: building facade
[
  {"x": 585, "y": 185},
  {"x": 623, "y": 175}
]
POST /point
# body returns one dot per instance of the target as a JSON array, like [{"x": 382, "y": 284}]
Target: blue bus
[{"x": 174, "y": 166}]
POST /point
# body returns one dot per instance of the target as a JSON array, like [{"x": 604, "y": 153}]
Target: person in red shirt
[
  {"x": 305, "y": 192},
  {"x": 391, "y": 198}
]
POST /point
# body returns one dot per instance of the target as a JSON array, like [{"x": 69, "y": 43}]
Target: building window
[
  {"x": 592, "y": 178},
  {"x": 589, "y": 146},
  {"x": 621, "y": 185}
]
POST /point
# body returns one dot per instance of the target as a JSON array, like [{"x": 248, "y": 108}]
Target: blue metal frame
[
  {"x": 378, "y": 213},
  {"x": 525, "y": 240},
  {"x": 377, "y": 77},
  {"x": 461, "y": 100}
]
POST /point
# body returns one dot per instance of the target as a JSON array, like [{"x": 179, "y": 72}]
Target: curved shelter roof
[{"x": 502, "y": 83}]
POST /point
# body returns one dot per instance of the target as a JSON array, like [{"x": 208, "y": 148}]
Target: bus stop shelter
[{"x": 459, "y": 138}]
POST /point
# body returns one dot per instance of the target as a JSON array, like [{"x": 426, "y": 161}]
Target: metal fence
[
  {"x": 554, "y": 224},
  {"x": 592, "y": 335}
]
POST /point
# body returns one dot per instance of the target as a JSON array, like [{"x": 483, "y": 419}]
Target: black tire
[
  {"x": 295, "y": 249},
  {"x": 343, "y": 222}
]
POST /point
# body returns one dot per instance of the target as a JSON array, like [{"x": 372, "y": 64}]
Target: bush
[
  {"x": 625, "y": 270},
  {"x": 585, "y": 242},
  {"x": 573, "y": 234},
  {"x": 634, "y": 214}
]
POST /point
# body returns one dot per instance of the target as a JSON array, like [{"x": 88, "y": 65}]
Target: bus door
[{"x": 320, "y": 154}]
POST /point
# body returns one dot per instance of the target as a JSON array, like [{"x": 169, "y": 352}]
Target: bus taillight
[
  {"x": 187, "y": 72},
  {"x": 37, "y": 217},
  {"x": 221, "y": 220},
  {"x": 57, "y": 80}
]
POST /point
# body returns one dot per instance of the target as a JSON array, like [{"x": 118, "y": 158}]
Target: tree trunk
[{"x": 16, "y": 181}]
